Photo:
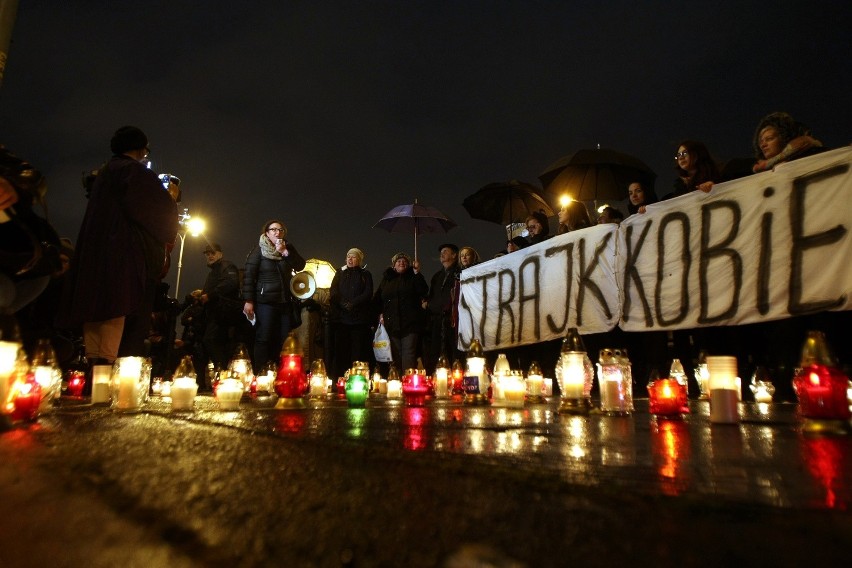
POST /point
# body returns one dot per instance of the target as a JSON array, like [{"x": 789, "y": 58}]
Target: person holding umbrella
[{"x": 398, "y": 300}]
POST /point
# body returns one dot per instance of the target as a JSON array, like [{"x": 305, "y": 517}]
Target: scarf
[{"x": 267, "y": 249}]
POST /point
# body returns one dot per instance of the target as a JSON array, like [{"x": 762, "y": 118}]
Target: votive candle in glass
[
  {"x": 667, "y": 398},
  {"x": 514, "y": 390},
  {"x": 442, "y": 384},
  {"x": 414, "y": 389},
  {"x": 356, "y": 390},
  {"x": 394, "y": 388},
  {"x": 228, "y": 393},
  {"x": 184, "y": 390},
  {"x": 100, "y": 383},
  {"x": 724, "y": 391}
]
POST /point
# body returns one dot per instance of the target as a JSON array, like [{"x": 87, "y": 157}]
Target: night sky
[{"x": 329, "y": 114}]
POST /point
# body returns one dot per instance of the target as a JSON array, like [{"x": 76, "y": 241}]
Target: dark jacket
[
  {"x": 267, "y": 281},
  {"x": 222, "y": 284},
  {"x": 441, "y": 290},
  {"x": 351, "y": 294},
  {"x": 223, "y": 281},
  {"x": 399, "y": 298},
  {"x": 122, "y": 243}
]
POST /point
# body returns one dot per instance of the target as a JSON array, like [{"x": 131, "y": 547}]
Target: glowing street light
[
  {"x": 565, "y": 200},
  {"x": 194, "y": 226}
]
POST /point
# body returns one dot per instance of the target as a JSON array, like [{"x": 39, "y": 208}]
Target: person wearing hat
[
  {"x": 220, "y": 297},
  {"x": 439, "y": 304},
  {"x": 129, "y": 225},
  {"x": 399, "y": 301},
  {"x": 349, "y": 299}
]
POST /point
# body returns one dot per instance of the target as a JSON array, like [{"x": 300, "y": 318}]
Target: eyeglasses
[
  {"x": 275, "y": 229},
  {"x": 683, "y": 154}
]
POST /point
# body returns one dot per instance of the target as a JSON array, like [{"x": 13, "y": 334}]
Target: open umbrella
[
  {"x": 416, "y": 218},
  {"x": 506, "y": 202},
  {"x": 596, "y": 174}
]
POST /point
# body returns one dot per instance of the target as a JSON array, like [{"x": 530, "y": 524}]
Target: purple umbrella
[{"x": 416, "y": 218}]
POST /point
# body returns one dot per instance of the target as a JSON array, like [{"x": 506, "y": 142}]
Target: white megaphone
[{"x": 303, "y": 285}]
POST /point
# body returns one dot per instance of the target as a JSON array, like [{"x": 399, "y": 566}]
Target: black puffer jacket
[
  {"x": 399, "y": 298},
  {"x": 268, "y": 281},
  {"x": 351, "y": 294}
]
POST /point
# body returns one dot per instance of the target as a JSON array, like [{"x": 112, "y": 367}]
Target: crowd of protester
[{"x": 107, "y": 291}]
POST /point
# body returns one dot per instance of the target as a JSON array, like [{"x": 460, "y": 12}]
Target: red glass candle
[
  {"x": 457, "y": 386},
  {"x": 414, "y": 389},
  {"x": 76, "y": 382},
  {"x": 291, "y": 381},
  {"x": 27, "y": 400},
  {"x": 822, "y": 392},
  {"x": 667, "y": 398}
]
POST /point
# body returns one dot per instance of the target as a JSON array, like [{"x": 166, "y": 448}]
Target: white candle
[
  {"x": 318, "y": 385},
  {"x": 128, "y": 392},
  {"x": 100, "y": 383},
  {"x": 166, "y": 389},
  {"x": 497, "y": 385},
  {"x": 612, "y": 397},
  {"x": 535, "y": 384},
  {"x": 265, "y": 382},
  {"x": 441, "y": 387},
  {"x": 183, "y": 393},
  {"x": 513, "y": 391},
  {"x": 573, "y": 375},
  {"x": 548, "y": 387},
  {"x": 761, "y": 394},
  {"x": 723, "y": 406},
  {"x": 8, "y": 355},
  {"x": 394, "y": 389},
  {"x": 228, "y": 394},
  {"x": 381, "y": 386}
]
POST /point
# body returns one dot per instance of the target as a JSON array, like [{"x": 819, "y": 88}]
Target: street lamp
[{"x": 194, "y": 226}]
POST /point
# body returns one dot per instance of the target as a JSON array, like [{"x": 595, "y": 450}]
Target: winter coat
[
  {"x": 399, "y": 298},
  {"x": 350, "y": 296},
  {"x": 130, "y": 219},
  {"x": 267, "y": 281}
]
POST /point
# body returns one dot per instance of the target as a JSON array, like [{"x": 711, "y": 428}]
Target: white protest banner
[
  {"x": 537, "y": 293},
  {"x": 764, "y": 247}
]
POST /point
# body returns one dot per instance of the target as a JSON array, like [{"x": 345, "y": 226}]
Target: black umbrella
[
  {"x": 596, "y": 174},
  {"x": 415, "y": 218},
  {"x": 506, "y": 202}
]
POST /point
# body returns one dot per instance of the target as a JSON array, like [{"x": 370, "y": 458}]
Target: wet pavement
[{"x": 441, "y": 485}]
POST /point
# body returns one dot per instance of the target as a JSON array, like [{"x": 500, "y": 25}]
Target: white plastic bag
[{"x": 381, "y": 345}]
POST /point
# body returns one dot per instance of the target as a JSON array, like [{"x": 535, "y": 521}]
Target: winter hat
[
  {"x": 127, "y": 139},
  {"x": 399, "y": 255}
]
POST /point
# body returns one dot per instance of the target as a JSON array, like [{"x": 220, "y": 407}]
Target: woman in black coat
[
  {"x": 266, "y": 290},
  {"x": 399, "y": 298},
  {"x": 350, "y": 297}
]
